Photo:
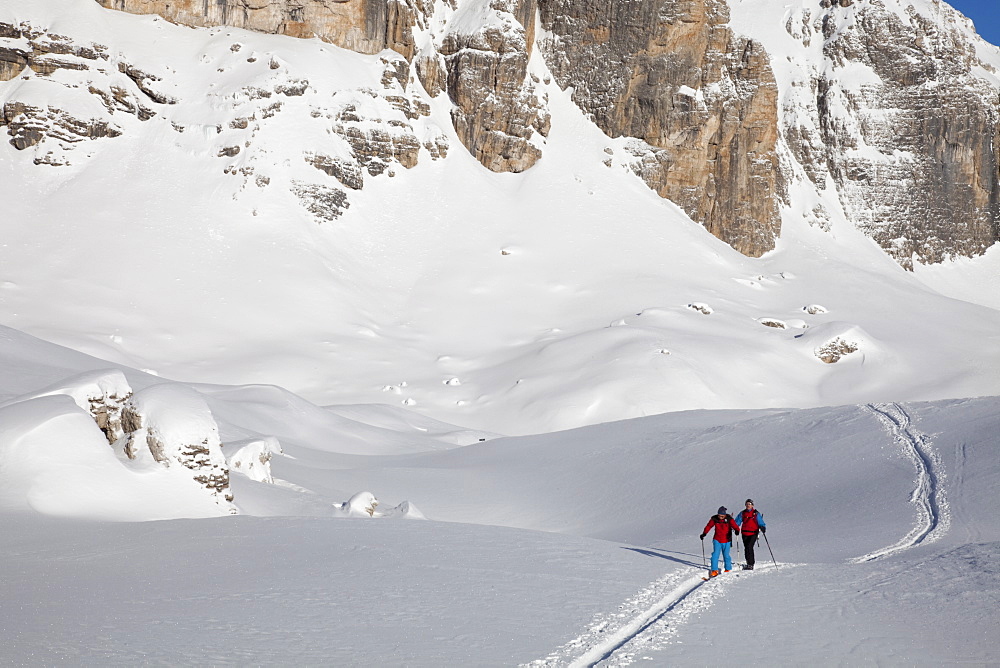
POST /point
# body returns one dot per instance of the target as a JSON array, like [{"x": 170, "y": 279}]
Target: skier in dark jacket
[
  {"x": 750, "y": 521},
  {"x": 724, "y": 526}
]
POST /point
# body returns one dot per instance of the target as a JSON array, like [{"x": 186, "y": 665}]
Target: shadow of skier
[{"x": 666, "y": 554}]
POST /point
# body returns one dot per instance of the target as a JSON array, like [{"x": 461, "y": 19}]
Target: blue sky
[{"x": 984, "y": 13}]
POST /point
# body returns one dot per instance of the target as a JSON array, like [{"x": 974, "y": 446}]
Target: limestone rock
[
  {"x": 377, "y": 134},
  {"x": 13, "y": 60},
  {"x": 908, "y": 152},
  {"x": 832, "y": 351},
  {"x": 701, "y": 100},
  {"x": 365, "y": 26},
  {"x": 498, "y": 107},
  {"x": 145, "y": 83},
  {"x": 28, "y": 125},
  {"x": 430, "y": 70},
  {"x": 325, "y": 203},
  {"x": 53, "y": 132},
  {"x": 347, "y": 172},
  {"x": 490, "y": 63},
  {"x": 913, "y": 151},
  {"x": 172, "y": 425},
  {"x": 103, "y": 394}
]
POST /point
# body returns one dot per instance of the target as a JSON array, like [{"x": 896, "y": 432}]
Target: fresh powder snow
[{"x": 477, "y": 419}]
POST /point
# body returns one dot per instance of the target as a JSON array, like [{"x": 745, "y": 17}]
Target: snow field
[
  {"x": 307, "y": 591},
  {"x": 223, "y": 280},
  {"x": 299, "y": 582},
  {"x": 556, "y": 315}
]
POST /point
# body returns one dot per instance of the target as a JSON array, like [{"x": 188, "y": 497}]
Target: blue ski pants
[{"x": 723, "y": 549}]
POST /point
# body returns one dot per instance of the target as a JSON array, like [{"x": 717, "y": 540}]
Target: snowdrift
[{"x": 871, "y": 509}]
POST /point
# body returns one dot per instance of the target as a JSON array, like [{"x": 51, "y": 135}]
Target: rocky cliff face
[
  {"x": 667, "y": 72},
  {"x": 365, "y": 26},
  {"x": 343, "y": 134},
  {"x": 890, "y": 115},
  {"x": 482, "y": 63},
  {"x": 897, "y": 117},
  {"x": 498, "y": 108},
  {"x": 701, "y": 99}
]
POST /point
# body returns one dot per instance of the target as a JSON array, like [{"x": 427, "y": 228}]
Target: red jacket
[
  {"x": 748, "y": 521},
  {"x": 722, "y": 527}
]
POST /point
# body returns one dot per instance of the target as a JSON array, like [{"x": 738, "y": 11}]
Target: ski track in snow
[
  {"x": 645, "y": 623},
  {"x": 933, "y": 518},
  {"x": 649, "y": 621}
]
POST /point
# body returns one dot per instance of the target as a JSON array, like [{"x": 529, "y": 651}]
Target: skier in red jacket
[
  {"x": 724, "y": 526},
  {"x": 751, "y": 522}
]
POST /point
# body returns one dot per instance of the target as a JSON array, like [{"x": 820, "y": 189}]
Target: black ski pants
[{"x": 749, "y": 540}]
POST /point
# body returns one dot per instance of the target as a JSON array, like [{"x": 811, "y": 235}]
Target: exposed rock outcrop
[
  {"x": 889, "y": 113},
  {"x": 325, "y": 203},
  {"x": 13, "y": 60},
  {"x": 370, "y": 130},
  {"x": 896, "y": 116},
  {"x": 483, "y": 65},
  {"x": 28, "y": 125},
  {"x": 168, "y": 426},
  {"x": 702, "y": 100},
  {"x": 54, "y": 131},
  {"x": 366, "y": 26},
  {"x": 22, "y": 46},
  {"x": 377, "y": 134},
  {"x": 172, "y": 425},
  {"x": 498, "y": 107},
  {"x": 103, "y": 394}
]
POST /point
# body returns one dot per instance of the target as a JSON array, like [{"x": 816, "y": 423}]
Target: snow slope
[
  {"x": 514, "y": 303},
  {"x": 336, "y": 358},
  {"x": 567, "y": 548}
]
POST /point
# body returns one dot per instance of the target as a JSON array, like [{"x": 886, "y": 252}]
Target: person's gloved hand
[
  {"x": 702, "y": 536},
  {"x": 763, "y": 529}
]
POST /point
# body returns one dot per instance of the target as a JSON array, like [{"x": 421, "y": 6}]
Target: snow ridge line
[
  {"x": 933, "y": 517},
  {"x": 648, "y": 620}
]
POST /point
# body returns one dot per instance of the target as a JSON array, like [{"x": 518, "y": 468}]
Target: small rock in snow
[{"x": 704, "y": 309}]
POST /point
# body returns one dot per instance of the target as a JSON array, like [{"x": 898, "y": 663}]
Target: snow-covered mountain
[
  {"x": 219, "y": 205},
  {"x": 741, "y": 112},
  {"x": 430, "y": 333}
]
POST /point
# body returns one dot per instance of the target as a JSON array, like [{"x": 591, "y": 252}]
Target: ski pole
[
  {"x": 703, "y": 562},
  {"x": 769, "y": 549}
]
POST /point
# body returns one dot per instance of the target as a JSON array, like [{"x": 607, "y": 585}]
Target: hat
[
  {"x": 750, "y": 501},
  {"x": 722, "y": 510}
]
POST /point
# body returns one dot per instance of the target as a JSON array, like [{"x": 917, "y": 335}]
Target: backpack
[{"x": 729, "y": 527}]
